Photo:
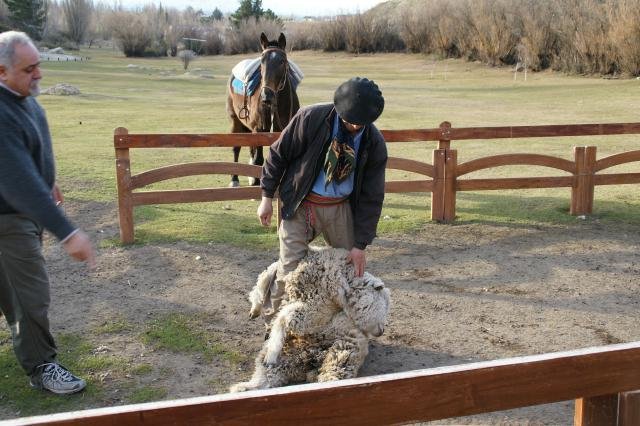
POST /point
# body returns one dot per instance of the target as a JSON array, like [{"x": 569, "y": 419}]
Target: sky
[{"x": 282, "y": 8}]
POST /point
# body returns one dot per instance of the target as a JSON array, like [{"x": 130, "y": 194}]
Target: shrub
[
  {"x": 625, "y": 35},
  {"x": 130, "y": 34}
]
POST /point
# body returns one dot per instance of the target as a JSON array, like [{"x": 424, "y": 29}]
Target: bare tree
[{"x": 77, "y": 14}]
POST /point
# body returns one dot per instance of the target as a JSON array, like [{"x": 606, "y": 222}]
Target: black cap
[{"x": 358, "y": 101}]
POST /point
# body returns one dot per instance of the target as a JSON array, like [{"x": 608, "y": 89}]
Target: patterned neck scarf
[{"x": 341, "y": 158}]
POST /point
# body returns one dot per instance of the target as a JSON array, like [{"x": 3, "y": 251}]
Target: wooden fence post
[
  {"x": 582, "y": 191},
  {"x": 597, "y": 411},
  {"x": 450, "y": 174},
  {"x": 437, "y": 192},
  {"x": 629, "y": 409},
  {"x": 589, "y": 173},
  {"x": 125, "y": 202},
  {"x": 445, "y": 135},
  {"x": 577, "y": 204}
]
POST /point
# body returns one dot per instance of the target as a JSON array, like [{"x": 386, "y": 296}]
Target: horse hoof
[
  {"x": 234, "y": 184},
  {"x": 254, "y": 182}
]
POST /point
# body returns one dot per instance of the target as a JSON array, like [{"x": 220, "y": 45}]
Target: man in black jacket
[
  {"x": 29, "y": 200},
  {"x": 329, "y": 167}
]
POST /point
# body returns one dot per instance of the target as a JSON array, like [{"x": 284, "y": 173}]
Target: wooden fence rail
[
  {"x": 443, "y": 178},
  {"x": 599, "y": 379}
]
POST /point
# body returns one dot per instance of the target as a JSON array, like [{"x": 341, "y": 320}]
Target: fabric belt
[{"x": 321, "y": 200}]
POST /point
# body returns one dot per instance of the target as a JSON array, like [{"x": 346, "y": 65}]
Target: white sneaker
[{"x": 57, "y": 379}]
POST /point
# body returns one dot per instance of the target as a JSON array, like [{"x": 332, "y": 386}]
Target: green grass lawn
[{"x": 155, "y": 96}]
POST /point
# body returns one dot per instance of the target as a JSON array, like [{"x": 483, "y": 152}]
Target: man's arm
[
  {"x": 280, "y": 154},
  {"x": 286, "y": 147},
  {"x": 77, "y": 244},
  {"x": 265, "y": 211},
  {"x": 22, "y": 187},
  {"x": 369, "y": 208},
  {"x": 79, "y": 247},
  {"x": 359, "y": 259}
]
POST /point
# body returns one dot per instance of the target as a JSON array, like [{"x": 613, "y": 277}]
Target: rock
[{"x": 62, "y": 89}]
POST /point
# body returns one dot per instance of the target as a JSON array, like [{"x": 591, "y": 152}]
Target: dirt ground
[{"x": 461, "y": 293}]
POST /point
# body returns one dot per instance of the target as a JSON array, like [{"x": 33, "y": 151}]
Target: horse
[{"x": 271, "y": 107}]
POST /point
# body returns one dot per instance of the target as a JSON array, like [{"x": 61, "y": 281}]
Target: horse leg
[
  {"x": 257, "y": 158},
  {"x": 236, "y": 127},
  {"x": 234, "y": 179}
]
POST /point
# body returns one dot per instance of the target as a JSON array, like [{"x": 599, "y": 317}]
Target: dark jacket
[
  {"x": 296, "y": 158},
  {"x": 27, "y": 170}
]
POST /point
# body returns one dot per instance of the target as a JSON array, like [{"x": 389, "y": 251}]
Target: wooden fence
[
  {"x": 443, "y": 178},
  {"x": 600, "y": 379}
]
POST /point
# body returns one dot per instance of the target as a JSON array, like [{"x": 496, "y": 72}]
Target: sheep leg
[
  {"x": 260, "y": 291},
  {"x": 279, "y": 331},
  {"x": 290, "y": 369},
  {"x": 297, "y": 318},
  {"x": 343, "y": 360}
]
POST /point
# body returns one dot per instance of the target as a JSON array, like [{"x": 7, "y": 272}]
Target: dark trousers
[{"x": 24, "y": 291}]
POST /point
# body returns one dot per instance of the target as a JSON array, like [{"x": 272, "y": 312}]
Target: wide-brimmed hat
[{"x": 358, "y": 101}]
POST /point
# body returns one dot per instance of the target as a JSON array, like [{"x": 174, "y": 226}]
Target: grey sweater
[{"x": 27, "y": 168}]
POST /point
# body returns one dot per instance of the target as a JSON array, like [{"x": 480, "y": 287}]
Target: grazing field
[
  {"x": 166, "y": 318},
  {"x": 155, "y": 96}
]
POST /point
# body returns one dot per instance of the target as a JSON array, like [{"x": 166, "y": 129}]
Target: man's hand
[
  {"x": 57, "y": 194},
  {"x": 359, "y": 260},
  {"x": 265, "y": 211},
  {"x": 79, "y": 247}
]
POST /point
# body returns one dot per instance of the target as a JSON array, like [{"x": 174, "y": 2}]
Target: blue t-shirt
[{"x": 338, "y": 189}]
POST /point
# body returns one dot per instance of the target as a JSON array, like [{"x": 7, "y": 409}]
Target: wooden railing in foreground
[
  {"x": 442, "y": 178},
  {"x": 595, "y": 377}
]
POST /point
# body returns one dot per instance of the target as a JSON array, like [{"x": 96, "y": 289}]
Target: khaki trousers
[
  {"x": 24, "y": 291},
  {"x": 334, "y": 222}
]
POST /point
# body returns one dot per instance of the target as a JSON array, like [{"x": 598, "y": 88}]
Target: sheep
[
  {"x": 335, "y": 352},
  {"x": 322, "y": 285}
]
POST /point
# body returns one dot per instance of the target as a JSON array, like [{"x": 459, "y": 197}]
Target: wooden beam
[
  {"x": 514, "y": 183},
  {"x": 543, "y": 131},
  {"x": 437, "y": 194},
  {"x": 412, "y": 396},
  {"x": 616, "y": 179},
  {"x": 617, "y": 159},
  {"x": 139, "y": 140},
  {"x": 192, "y": 169},
  {"x": 577, "y": 193},
  {"x": 123, "y": 182},
  {"x": 196, "y": 195},
  {"x": 408, "y": 165},
  {"x": 516, "y": 159},
  {"x": 395, "y": 186},
  {"x": 629, "y": 409},
  {"x": 599, "y": 410},
  {"x": 451, "y": 176}
]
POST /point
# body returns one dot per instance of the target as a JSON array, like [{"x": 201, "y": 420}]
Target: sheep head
[{"x": 367, "y": 303}]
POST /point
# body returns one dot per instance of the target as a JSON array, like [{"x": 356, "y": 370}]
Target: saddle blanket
[{"x": 246, "y": 76}]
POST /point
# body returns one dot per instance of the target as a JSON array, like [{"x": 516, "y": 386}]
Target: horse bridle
[
  {"x": 244, "y": 109},
  {"x": 283, "y": 82}
]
